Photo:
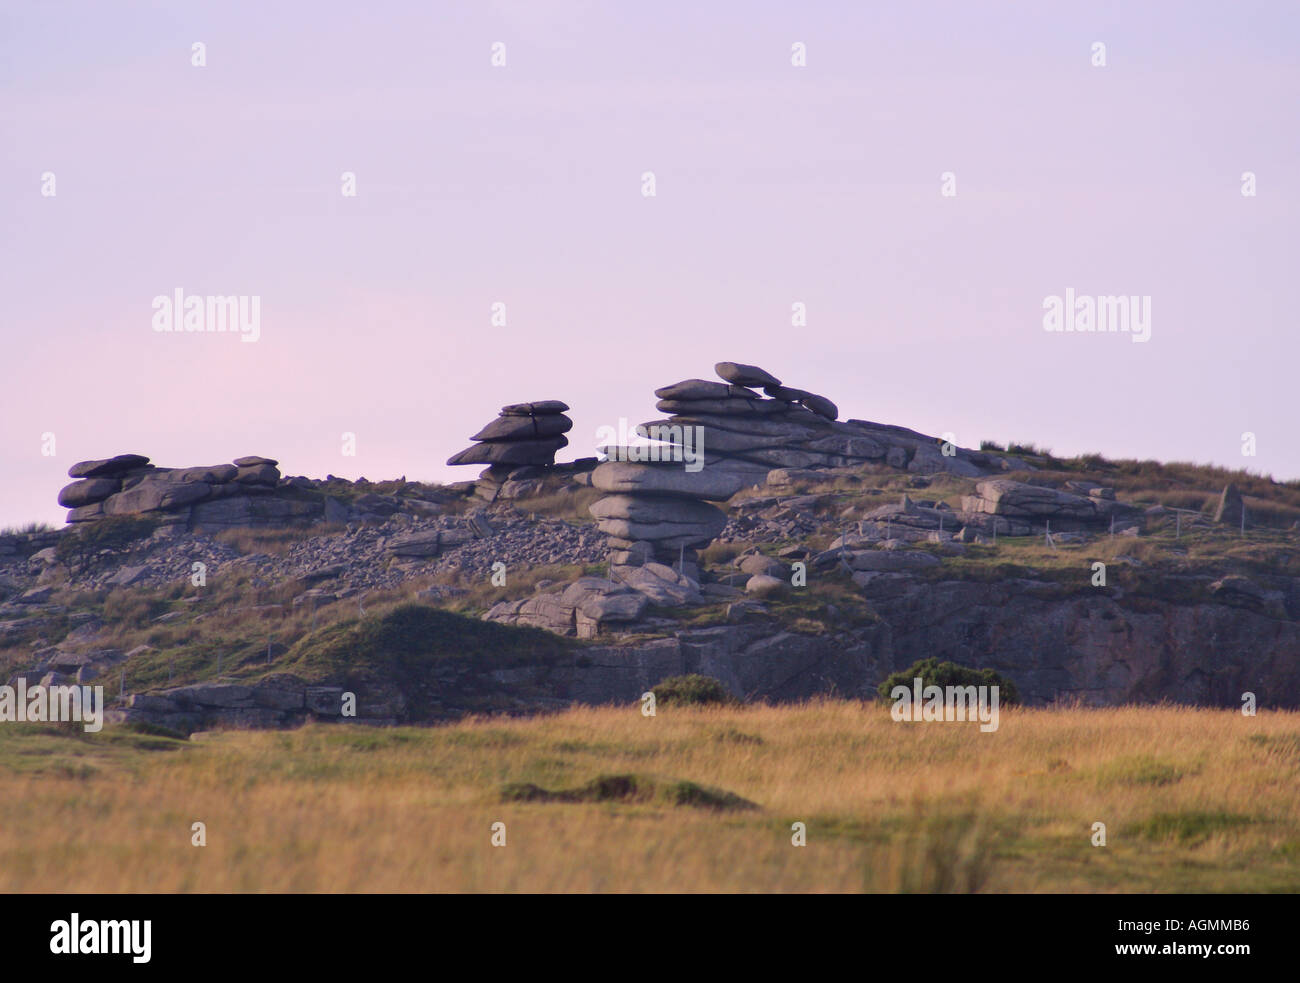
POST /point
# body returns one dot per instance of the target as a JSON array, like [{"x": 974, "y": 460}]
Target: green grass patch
[
  {"x": 1188, "y": 827},
  {"x": 631, "y": 789}
]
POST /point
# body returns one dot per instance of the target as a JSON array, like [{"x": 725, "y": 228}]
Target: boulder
[
  {"x": 605, "y": 608},
  {"x": 714, "y": 482},
  {"x": 87, "y": 492},
  {"x": 756, "y": 563},
  {"x": 538, "y": 451},
  {"x": 787, "y": 394},
  {"x": 891, "y": 561},
  {"x": 655, "y": 509},
  {"x": 732, "y": 406},
  {"x": 218, "y": 474},
  {"x": 108, "y": 467},
  {"x": 257, "y": 474},
  {"x": 1002, "y": 496},
  {"x": 745, "y": 375},
  {"x": 762, "y": 585},
  {"x": 416, "y": 544},
  {"x": 152, "y": 495},
  {"x": 821, "y": 406},
  {"x": 540, "y": 408},
  {"x": 524, "y": 427},
  {"x": 660, "y": 584},
  {"x": 665, "y": 535},
  {"x": 253, "y": 461},
  {"x": 695, "y": 389}
]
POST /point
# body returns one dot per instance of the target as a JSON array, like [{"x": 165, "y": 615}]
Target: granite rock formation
[{"x": 519, "y": 448}]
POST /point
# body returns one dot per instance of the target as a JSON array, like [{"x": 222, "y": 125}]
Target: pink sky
[{"x": 522, "y": 184}]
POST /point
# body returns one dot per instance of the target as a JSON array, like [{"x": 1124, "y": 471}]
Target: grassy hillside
[{"x": 689, "y": 800}]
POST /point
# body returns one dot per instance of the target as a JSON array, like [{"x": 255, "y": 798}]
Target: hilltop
[{"x": 804, "y": 555}]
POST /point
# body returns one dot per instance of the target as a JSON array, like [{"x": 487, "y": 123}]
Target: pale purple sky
[{"x": 522, "y": 185}]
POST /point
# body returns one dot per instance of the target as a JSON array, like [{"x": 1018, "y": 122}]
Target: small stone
[{"x": 762, "y": 585}]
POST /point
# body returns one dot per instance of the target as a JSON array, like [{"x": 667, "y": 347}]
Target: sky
[{"x": 775, "y": 184}]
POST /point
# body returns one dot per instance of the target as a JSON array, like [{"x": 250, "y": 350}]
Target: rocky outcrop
[
  {"x": 1023, "y": 504},
  {"x": 723, "y": 437},
  {"x": 1098, "y": 648},
  {"x": 278, "y": 700},
  {"x": 518, "y": 446},
  {"x": 246, "y": 492}
]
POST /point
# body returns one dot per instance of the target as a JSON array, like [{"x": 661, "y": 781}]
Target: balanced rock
[
  {"x": 715, "y": 482},
  {"x": 745, "y": 375},
  {"x": 108, "y": 467},
  {"x": 524, "y": 435}
]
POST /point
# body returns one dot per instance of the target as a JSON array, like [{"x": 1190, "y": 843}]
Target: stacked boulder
[
  {"x": 518, "y": 446},
  {"x": 220, "y": 496},
  {"x": 722, "y": 437}
]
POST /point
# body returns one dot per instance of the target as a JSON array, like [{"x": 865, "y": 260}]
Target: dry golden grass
[{"x": 1193, "y": 800}]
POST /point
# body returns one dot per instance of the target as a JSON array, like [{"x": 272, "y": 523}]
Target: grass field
[{"x": 689, "y": 800}]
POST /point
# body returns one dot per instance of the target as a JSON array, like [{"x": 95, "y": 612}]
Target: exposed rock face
[
  {"x": 1035, "y": 506},
  {"x": 723, "y": 437},
  {"x": 247, "y": 492},
  {"x": 111, "y": 467},
  {"x": 279, "y": 700}
]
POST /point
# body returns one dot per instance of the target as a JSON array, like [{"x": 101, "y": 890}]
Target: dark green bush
[
  {"x": 935, "y": 673},
  {"x": 692, "y": 690}
]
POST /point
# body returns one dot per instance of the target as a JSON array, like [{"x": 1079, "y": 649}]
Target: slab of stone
[
  {"x": 720, "y": 407},
  {"x": 524, "y": 427},
  {"x": 107, "y": 467},
  {"x": 539, "y": 408},
  {"x": 87, "y": 492},
  {"x": 151, "y": 495},
  {"x": 694, "y": 389},
  {"x": 745, "y": 375},
  {"x": 713, "y": 482},
  {"x": 516, "y": 452}
]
